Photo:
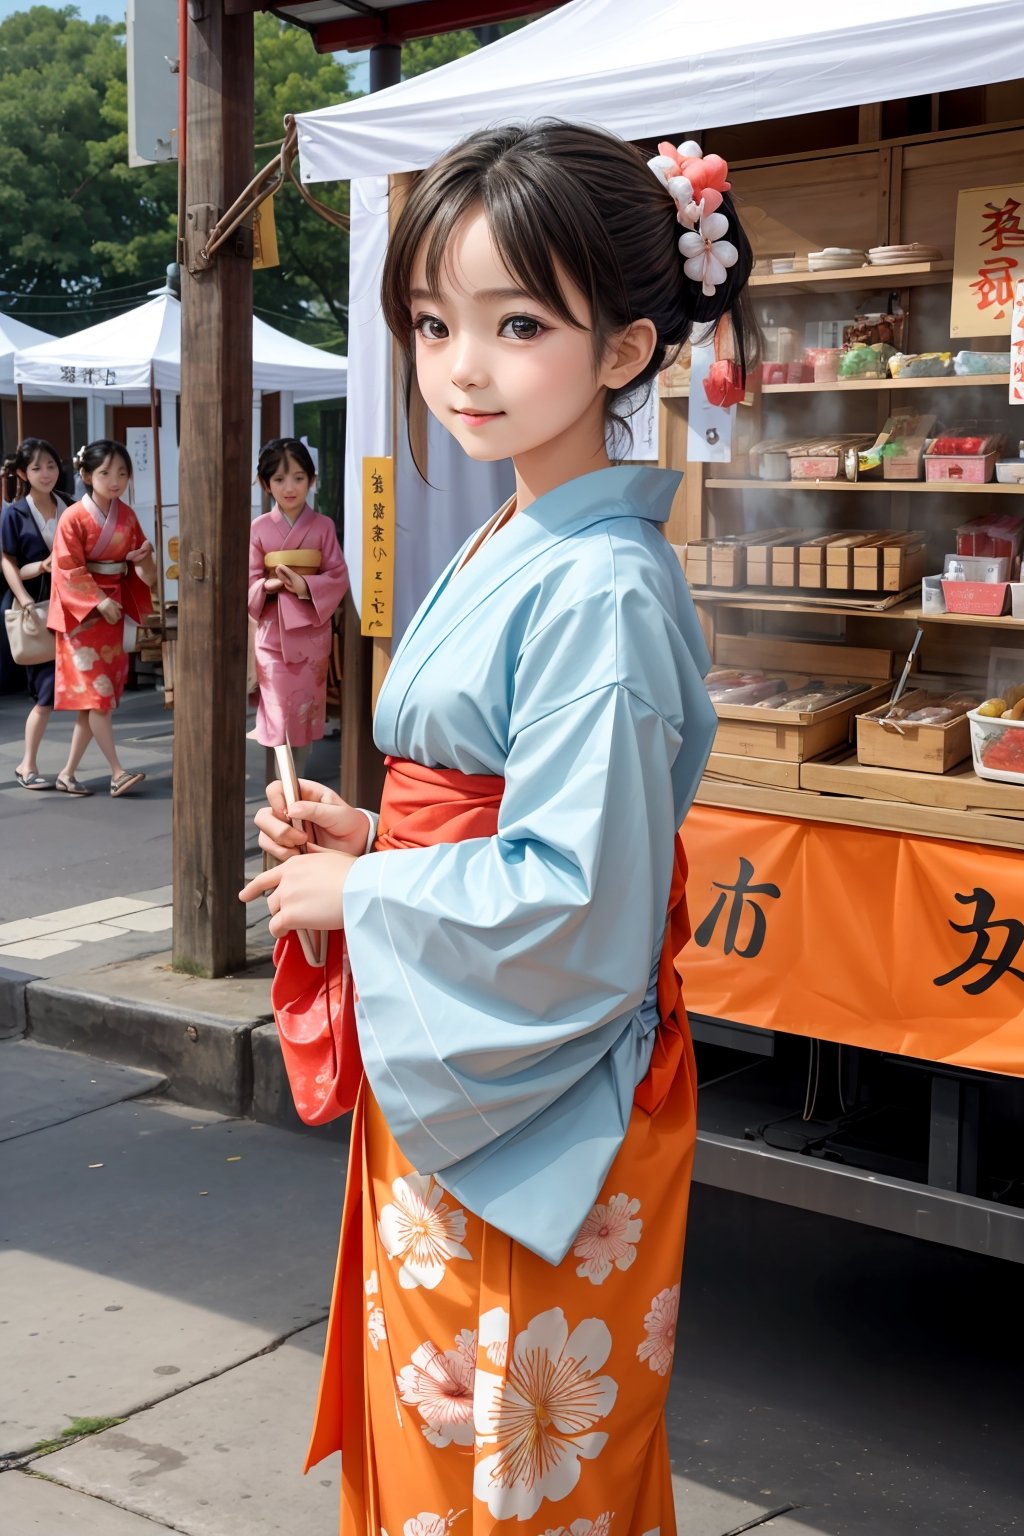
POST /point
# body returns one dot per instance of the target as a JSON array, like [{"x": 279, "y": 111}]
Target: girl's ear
[{"x": 627, "y": 354}]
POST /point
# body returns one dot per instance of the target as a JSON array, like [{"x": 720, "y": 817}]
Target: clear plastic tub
[{"x": 997, "y": 746}]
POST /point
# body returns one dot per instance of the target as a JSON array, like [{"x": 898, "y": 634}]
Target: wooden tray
[{"x": 960, "y": 790}]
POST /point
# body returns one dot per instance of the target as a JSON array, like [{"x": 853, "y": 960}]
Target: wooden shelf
[
  {"x": 848, "y": 386},
  {"x": 908, "y": 612},
  {"x": 959, "y": 790},
  {"x": 888, "y": 487},
  {"x": 978, "y": 825},
  {"x": 913, "y": 274}
]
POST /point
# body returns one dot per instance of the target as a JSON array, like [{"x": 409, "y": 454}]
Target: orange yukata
[
  {"x": 469, "y": 1384},
  {"x": 90, "y": 564}
]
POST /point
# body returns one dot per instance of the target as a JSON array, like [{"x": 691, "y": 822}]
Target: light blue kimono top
[{"x": 507, "y": 985}]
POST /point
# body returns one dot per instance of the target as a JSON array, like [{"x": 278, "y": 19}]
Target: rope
[{"x": 263, "y": 185}]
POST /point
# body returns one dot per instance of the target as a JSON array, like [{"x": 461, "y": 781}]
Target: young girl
[
  {"x": 504, "y": 1315},
  {"x": 297, "y": 578},
  {"x": 103, "y": 568},
  {"x": 27, "y": 528}
]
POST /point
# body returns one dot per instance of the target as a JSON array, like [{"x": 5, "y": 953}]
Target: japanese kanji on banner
[
  {"x": 1017, "y": 346},
  {"x": 988, "y": 257},
  {"x": 896, "y": 943},
  {"x": 378, "y": 546}
]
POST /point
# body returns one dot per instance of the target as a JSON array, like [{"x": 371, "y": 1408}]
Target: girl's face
[
  {"x": 290, "y": 486},
  {"x": 504, "y": 374},
  {"x": 111, "y": 478},
  {"x": 42, "y": 473}
]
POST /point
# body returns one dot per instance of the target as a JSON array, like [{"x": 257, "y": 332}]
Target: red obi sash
[{"x": 315, "y": 1006}]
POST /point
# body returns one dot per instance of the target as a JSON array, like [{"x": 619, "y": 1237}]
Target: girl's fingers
[
  {"x": 265, "y": 881},
  {"x": 276, "y": 826},
  {"x": 276, "y": 850}
]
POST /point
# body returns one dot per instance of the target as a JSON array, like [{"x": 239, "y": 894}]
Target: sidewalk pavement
[
  {"x": 164, "y": 1283},
  {"x": 87, "y": 882}
]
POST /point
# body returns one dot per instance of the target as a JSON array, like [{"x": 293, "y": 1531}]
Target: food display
[
  {"x": 924, "y": 732},
  {"x": 920, "y": 365},
  {"x": 997, "y": 736},
  {"x": 969, "y": 458}
]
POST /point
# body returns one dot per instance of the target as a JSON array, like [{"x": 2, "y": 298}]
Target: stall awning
[
  {"x": 655, "y": 66},
  {"x": 118, "y": 355}
]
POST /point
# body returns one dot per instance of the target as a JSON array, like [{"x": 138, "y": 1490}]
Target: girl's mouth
[{"x": 478, "y": 418}]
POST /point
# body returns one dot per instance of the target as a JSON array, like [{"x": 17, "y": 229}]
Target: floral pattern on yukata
[
  {"x": 608, "y": 1238},
  {"x": 421, "y": 1230},
  {"x": 540, "y": 1416}
]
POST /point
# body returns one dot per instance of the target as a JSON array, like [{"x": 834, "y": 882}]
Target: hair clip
[{"x": 697, "y": 183}]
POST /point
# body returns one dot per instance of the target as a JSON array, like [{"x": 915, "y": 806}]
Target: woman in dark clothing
[{"x": 26, "y": 541}]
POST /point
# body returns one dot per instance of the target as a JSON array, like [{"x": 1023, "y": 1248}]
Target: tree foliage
[{"x": 83, "y": 235}]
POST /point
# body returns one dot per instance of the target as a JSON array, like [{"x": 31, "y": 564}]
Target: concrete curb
[
  {"x": 140, "y": 1013},
  {"x": 206, "y": 1060},
  {"x": 13, "y": 1015},
  {"x": 272, "y": 1102}
]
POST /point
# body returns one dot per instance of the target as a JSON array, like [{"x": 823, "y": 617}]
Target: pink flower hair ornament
[{"x": 697, "y": 183}]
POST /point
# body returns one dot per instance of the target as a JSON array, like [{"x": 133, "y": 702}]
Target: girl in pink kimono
[{"x": 297, "y": 578}]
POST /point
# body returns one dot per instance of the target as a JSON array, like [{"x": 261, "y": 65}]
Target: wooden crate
[
  {"x": 917, "y": 748},
  {"x": 894, "y": 563},
  {"x": 795, "y": 735}
]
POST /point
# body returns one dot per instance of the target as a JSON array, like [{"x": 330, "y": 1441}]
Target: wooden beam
[
  {"x": 216, "y": 435},
  {"x": 423, "y": 18}
]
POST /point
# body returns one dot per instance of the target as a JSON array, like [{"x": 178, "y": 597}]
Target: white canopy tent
[
  {"x": 642, "y": 70},
  {"x": 124, "y": 355},
  {"x": 135, "y": 359},
  {"x": 15, "y": 334}
]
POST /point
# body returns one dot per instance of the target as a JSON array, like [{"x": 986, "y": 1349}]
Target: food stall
[{"x": 856, "y": 975}]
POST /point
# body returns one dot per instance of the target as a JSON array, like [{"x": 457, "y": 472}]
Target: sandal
[
  {"x": 31, "y": 780},
  {"x": 70, "y": 786},
  {"x": 125, "y": 781}
]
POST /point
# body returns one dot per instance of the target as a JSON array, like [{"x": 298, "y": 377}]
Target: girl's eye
[
  {"x": 431, "y": 328},
  {"x": 521, "y": 328}
]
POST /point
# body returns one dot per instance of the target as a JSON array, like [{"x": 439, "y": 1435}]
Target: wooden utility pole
[{"x": 216, "y": 448}]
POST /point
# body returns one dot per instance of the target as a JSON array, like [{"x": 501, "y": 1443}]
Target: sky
[{"x": 114, "y": 10}]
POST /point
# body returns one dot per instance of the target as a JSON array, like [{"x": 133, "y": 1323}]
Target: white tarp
[
  {"x": 117, "y": 356},
  {"x": 653, "y": 67},
  {"x": 15, "y": 334}
]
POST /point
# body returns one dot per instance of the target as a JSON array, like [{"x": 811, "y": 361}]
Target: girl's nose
[{"x": 469, "y": 370}]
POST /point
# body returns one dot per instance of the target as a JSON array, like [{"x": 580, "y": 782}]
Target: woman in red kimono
[{"x": 103, "y": 568}]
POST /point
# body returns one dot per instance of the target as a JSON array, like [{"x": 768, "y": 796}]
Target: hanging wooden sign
[
  {"x": 377, "y": 617},
  {"x": 988, "y": 257}
]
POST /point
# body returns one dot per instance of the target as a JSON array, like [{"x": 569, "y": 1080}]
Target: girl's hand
[
  {"x": 273, "y": 584},
  {"x": 144, "y": 552},
  {"x": 340, "y": 826},
  {"x": 46, "y": 565},
  {"x": 110, "y": 610},
  {"x": 24, "y": 601},
  {"x": 303, "y": 893},
  {"x": 293, "y": 581}
]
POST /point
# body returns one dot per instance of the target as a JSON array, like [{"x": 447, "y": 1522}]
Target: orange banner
[{"x": 895, "y": 943}]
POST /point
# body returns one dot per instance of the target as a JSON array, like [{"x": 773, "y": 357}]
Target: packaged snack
[
  {"x": 920, "y": 365},
  {"x": 981, "y": 362}
]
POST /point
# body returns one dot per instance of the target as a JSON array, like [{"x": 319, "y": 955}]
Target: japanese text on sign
[
  {"x": 77, "y": 375},
  {"x": 378, "y": 547},
  {"x": 1017, "y": 346},
  {"x": 988, "y": 259}
]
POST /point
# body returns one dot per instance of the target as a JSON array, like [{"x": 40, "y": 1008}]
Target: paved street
[
  {"x": 88, "y": 881},
  {"x": 169, "y": 1268}
]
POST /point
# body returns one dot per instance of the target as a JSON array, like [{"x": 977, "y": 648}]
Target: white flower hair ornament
[{"x": 697, "y": 183}]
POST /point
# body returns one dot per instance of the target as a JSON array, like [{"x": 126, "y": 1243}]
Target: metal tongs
[
  {"x": 314, "y": 944},
  {"x": 901, "y": 686}
]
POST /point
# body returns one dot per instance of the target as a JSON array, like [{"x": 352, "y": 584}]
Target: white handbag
[{"x": 30, "y": 641}]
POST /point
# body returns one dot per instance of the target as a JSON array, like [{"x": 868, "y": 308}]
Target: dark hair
[
  {"x": 558, "y": 192},
  {"x": 92, "y": 457},
  {"x": 15, "y": 469},
  {"x": 274, "y": 454}
]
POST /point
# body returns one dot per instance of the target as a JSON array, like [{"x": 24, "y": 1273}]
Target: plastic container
[
  {"x": 997, "y": 747},
  {"x": 965, "y": 363},
  {"x": 1010, "y": 471},
  {"x": 823, "y": 363}
]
